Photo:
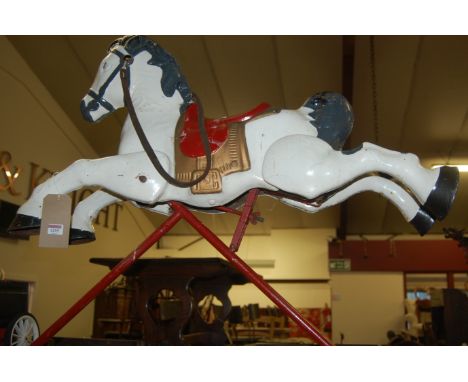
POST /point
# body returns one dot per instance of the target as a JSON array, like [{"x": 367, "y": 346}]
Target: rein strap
[{"x": 147, "y": 146}]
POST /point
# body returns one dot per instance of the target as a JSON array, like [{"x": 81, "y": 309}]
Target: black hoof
[
  {"x": 77, "y": 236},
  {"x": 24, "y": 226},
  {"x": 443, "y": 194},
  {"x": 422, "y": 222}
]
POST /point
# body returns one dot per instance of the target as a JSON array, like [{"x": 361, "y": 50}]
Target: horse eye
[{"x": 104, "y": 66}]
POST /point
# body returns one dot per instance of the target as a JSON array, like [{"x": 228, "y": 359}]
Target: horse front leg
[
  {"x": 130, "y": 176},
  {"x": 82, "y": 230},
  {"x": 407, "y": 206}
]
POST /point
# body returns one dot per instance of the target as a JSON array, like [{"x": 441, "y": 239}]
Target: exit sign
[{"x": 340, "y": 265}]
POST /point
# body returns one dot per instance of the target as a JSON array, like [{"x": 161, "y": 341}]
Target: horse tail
[{"x": 331, "y": 114}]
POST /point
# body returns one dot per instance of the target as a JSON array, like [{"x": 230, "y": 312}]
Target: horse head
[{"x": 151, "y": 72}]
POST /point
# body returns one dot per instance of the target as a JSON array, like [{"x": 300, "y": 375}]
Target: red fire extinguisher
[{"x": 327, "y": 320}]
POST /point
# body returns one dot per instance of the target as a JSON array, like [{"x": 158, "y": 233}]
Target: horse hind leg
[
  {"x": 435, "y": 189},
  {"x": 407, "y": 206},
  {"x": 442, "y": 195},
  {"x": 309, "y": 167}
]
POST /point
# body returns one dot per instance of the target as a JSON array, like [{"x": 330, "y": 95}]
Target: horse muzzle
[
  {"x": 93, "y": 108},
  {"x": 87, "y": 109}
]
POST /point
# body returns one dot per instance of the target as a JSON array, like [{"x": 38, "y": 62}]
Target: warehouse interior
[{"x": 358, "y": 271}]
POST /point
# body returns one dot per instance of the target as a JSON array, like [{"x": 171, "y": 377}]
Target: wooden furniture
[
  {"x": 181, "y": 301},
  {"x": 115, "y": 312},
  {"x": 250, "y": 324},
  {"x": 450, "y": 319}
]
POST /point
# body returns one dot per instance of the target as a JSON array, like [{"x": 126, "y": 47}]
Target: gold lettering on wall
[
  {"x": 116, "y": 215},
  {"x": 10, "y": 175}
]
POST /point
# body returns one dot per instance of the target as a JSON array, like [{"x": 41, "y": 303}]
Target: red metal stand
[
  {"x": 107, "y": 279},
  {"x": 180, "y": 211},
  {"x": 248, "y": 272}
]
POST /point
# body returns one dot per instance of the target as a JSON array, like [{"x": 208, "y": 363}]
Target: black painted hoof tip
[
  {"x": 24, "y": 226},
  {"x": 78, "y": 236},
  {"x": 423, "y": 222},
  {"x": 443, "y": 194}
]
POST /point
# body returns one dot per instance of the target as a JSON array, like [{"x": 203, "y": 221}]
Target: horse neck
[
  {"x": 146, "y": 100},
  {"x": 147, "y": 93},
  {"x": 158, "y": 120},
  {"x": 158, "y": 114},
  {"x": 153, "y": 115}
]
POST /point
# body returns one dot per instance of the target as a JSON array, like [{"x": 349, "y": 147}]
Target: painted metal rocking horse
[
  {"x": 170, "y": 152},
  {"x": 211, "y": 165}
]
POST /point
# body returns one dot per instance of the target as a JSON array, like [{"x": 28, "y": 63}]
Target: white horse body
[
  {"x": 261, "y": 134},
  {"x": 287, "y": 153}
]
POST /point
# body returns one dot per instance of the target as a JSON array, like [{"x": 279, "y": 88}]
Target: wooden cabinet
[{"x": 178, "y": 301}]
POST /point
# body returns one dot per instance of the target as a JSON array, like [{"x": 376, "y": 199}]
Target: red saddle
[{"x": 217, "y": 130}]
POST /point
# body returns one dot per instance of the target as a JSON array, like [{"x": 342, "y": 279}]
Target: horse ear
[{"x": 114, "y": 43}]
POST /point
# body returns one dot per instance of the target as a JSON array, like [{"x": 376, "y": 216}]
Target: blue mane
[
  {"x": 172, "y": 79},
  {"x": 332, "y": 116}
]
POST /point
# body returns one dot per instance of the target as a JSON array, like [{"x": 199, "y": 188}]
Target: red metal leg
[
  {"x": 106, "y": 280},
  {"x": 248, "y": 272},
  {"x": 244, "y": 220}
]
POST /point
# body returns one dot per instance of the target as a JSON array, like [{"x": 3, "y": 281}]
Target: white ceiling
[{"x": 421, "y": 90}]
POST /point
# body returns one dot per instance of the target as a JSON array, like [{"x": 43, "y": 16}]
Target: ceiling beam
[{"x": 347, "y": 76}]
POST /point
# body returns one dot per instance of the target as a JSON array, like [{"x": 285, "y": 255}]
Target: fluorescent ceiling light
[{"x": 461, "y": 167}]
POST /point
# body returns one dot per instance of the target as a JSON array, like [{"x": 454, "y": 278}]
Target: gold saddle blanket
[
  {"x": 229, "y": 152},
  {"x": 232, "y": 156}
]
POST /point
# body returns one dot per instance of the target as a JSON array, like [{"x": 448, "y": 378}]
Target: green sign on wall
[{"x": 338, "y": 265}]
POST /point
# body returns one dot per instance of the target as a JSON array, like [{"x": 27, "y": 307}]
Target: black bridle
[
  {"x": 99, "y": 96},
  {"x": 124, "y": 69}
]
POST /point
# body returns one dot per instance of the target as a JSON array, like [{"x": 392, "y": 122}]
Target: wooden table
[{"x": 170, "y": 293}]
